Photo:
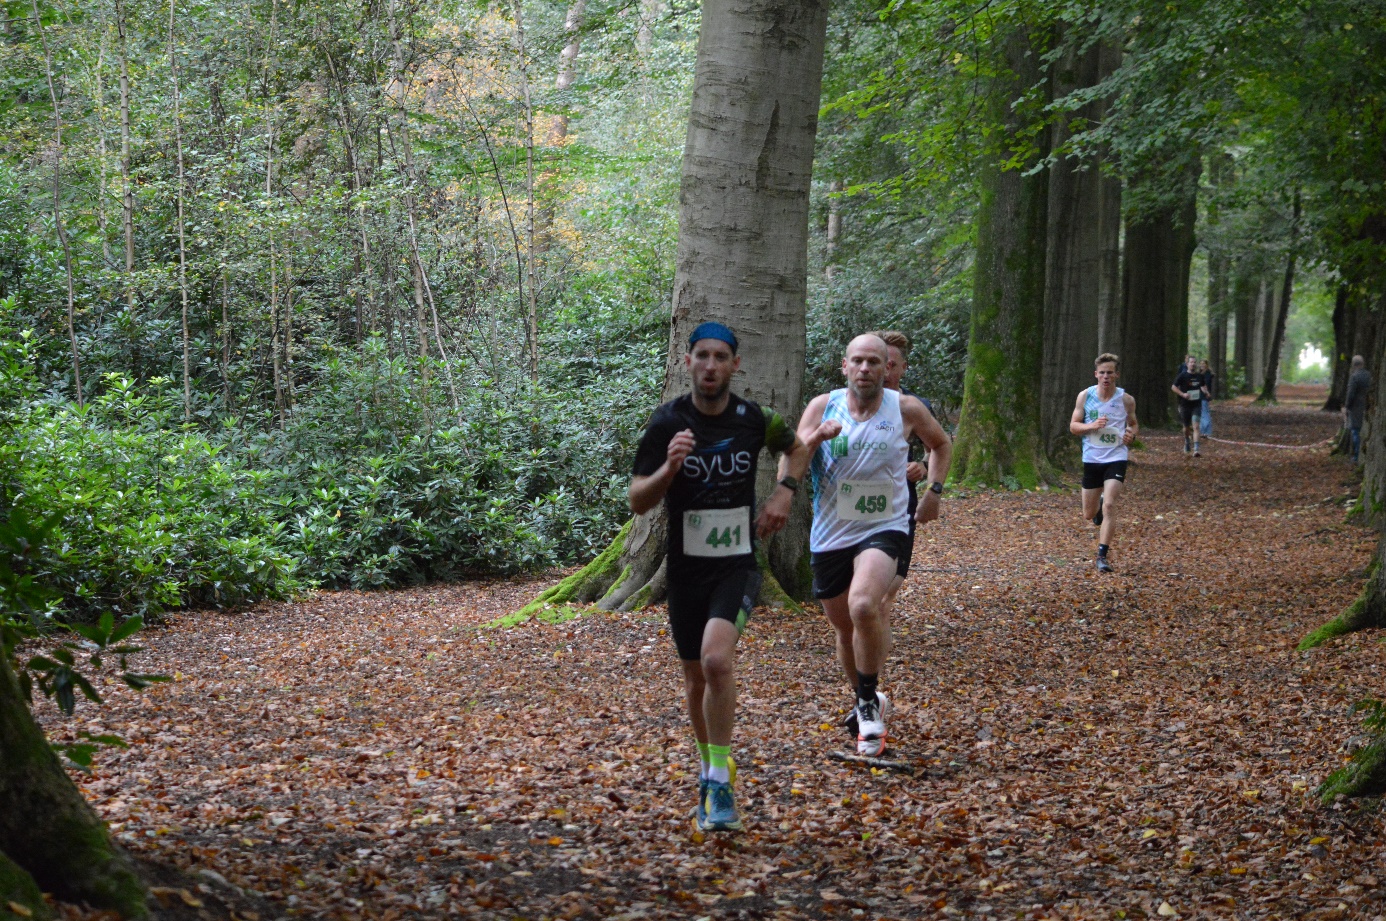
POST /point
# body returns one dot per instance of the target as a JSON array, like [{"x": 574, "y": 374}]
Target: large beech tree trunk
[
  {"x": 742, "y": 255},
  {"x": 45, "y": 825},
  {"x": 1073, "y": 264},
  {"x": 998, "y": 439},
  {"x": 1155, "y": 278}
]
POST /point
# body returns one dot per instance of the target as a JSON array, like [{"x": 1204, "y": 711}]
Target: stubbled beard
[
  {"x": 865, "y": 391},
  {"x": 718, "y": 394}
]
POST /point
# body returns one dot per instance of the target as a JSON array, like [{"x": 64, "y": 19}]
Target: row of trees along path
[{"x": 1081, "y": 746}]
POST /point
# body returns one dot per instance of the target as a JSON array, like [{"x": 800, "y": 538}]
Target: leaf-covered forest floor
[{"x": 1140, "y": 744}]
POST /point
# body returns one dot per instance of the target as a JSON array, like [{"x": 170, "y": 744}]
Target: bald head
[
  {"x": 869, "y": 341},
  {"x": 864, "y": 366}
]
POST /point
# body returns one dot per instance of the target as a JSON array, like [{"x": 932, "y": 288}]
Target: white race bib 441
[
  {"x": 717, "y": 531},
  {"x": 865, "y": 500}
]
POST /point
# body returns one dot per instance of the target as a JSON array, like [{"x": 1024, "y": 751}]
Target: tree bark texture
[
  {"x": 45, "y": 825},
  {"x": 742, "y": 256},
  {"x": 1073, "y": 266},
  {"x": 127, "y": 207},
  {"x": 1109, "y": 312},
  {"x": 1282, "y": 312},
  {"x": 1219, "y": 283},
  {"x": 998, "y": 439}
]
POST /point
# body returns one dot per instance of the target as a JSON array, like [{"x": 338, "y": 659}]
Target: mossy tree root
[
  {"x": 1368, "y": 611},
  {"x": 1364, "y": 775},
  {"x": 18, "y": 887},
  {"x": 45, "y": 824}
]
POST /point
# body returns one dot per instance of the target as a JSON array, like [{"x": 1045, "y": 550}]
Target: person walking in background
[
  {"x": 1205, "y": 420},
  {"x": 1355, "y": 403}
]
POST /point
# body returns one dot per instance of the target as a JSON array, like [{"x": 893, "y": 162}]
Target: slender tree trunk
[
  {"x": 834, "y": 232},
  {"x": 58, "y": 206},
  {"x": 45, "y": 825},
  {"x": 226, "y": 340},
  {"x": 1073, "y": 266},
  {"x": 999, "y": 439},
  {"x": 742, "y": 255},
  {"x": 1282, "y": 314},
  {"x": 1219, "y": 281},
  {"x": 406, "y": 145},
  {"x": 532, "y": 303},
  {"x": 558, "y": 127},
  {"x": 182, "y": 246},
  {"x": 127, "y": 194},
  {"x": 101, "y": 188}
]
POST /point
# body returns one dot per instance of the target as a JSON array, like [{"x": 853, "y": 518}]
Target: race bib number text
[
  {"x": 716, "y": 532},
  {"x": 861, "y": 500},
  {"x": 1109, "y": 437}
]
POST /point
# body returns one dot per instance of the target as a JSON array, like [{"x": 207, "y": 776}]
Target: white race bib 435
[
  {"x": 1109, "y": 437},
  {"x": 717, "y": 531}
]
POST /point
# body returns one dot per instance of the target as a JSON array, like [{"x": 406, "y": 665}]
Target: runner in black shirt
[
  {"x": 699, "y": 455},
  {"x": 1191, "y": 387}
]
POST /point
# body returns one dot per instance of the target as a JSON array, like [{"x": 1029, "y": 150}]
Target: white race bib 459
[
  {"x": 717, "y": 531},
  {"x": 865, "y": 500}
]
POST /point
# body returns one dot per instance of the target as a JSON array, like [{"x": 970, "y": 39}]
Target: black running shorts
[
  {"x": 1188, "y": 412},
  {"x": 693, "y": 601},
  {"x": 832, "y": 569},
  {"x": 1096, "y": 475},
  {"x": 902, "y": 563}
]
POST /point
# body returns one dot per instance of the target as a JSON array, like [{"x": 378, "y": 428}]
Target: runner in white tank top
[
  {"x": 1105, "y": 418},
  {"x": 859, "y": 486},
  {"x": 860, "y": 525}
]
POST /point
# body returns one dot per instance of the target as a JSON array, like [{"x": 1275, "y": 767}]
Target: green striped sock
[
  {"x": 704, "y": 753},
  {"x": 719, "y": 771}
]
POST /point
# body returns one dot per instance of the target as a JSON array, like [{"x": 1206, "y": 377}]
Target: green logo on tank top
[{"x": 839, "y": 446}]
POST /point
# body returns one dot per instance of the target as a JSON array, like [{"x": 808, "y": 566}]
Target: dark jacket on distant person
[{"x": 1356, "y": 400}]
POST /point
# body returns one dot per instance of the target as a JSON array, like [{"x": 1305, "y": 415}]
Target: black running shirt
[
  {"x": 719, "y": 476},
  {"x": 1188, "y": 381}
]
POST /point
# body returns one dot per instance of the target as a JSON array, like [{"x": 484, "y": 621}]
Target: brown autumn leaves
[{"x": 1138, "y": 745}]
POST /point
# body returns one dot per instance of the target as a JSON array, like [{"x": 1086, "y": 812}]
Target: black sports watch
[
  {"x": 936, "y": 488},
  {"x": 790, "y": 483}
]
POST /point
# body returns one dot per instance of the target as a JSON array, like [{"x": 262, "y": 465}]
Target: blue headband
[{"x": 712, "y": 330}]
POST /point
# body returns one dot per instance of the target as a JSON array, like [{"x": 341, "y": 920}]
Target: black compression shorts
[
  {"x": 902, "y": 563},
  {"x": 1189, "y": 411},
  {"x": 832, "y": 569},
  {"x": 1095, "y": 475},
  {"x": 694, "y": 600}
]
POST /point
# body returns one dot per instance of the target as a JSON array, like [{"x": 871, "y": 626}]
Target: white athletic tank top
[
  {"x": 1105, "y": 446},
  {"x": 859, "y": 476}
]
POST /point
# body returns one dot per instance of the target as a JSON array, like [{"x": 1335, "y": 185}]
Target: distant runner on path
[
  {"x": 1192, "y": 389},
  {"x": 860, "y": 515},
  {"x": 1105, "y": 418},
  {"x": 699, "y": 455}
]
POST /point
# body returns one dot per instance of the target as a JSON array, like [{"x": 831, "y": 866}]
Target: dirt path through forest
[{"x": 1111, "y": 747}]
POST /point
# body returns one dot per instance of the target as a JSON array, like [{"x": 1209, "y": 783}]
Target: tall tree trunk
[
  {"x": 1073, "y": 264},
  {"x": 834, "y": 230},
  {"x": 1109, "y": 308},
  {"x": 45, "y": 825},
  {"x": 1287, "y": 286},
  {"x": 998, "y": 439},
  {"x": 127, "y": 207},
  {"x": 1219, "y": 280},
  {"x": 532, "y": 303},
  {"x": 1155, "y": 246},
  {"x": 558, "y": 127},
  {"x": 182, "y": 246},
  {"x": 101, "y": 188},
  {"x": 1243, "y": 307},
  {"x": 742, "y": 255},
  {"x": 58, "y": 206}
]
